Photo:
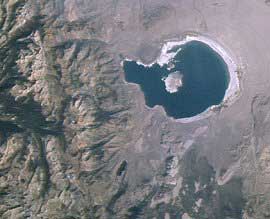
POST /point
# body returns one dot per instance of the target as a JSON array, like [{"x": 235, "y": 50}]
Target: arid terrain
[{"x": 77, "y": 141}]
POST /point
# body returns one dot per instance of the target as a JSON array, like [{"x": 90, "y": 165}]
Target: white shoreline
[{"x": 234, "y": 84}]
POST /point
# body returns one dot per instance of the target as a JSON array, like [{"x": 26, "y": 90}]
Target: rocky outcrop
[{"x": 62, "y": 115}]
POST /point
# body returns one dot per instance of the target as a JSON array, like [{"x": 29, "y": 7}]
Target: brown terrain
[{"x": 77, "y": 141}]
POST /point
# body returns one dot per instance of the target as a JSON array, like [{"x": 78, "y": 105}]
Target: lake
[{"x": 195, "y": 79}]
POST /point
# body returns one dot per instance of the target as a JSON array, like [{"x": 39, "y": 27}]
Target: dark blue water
[{"x": 205, "y": 80}]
